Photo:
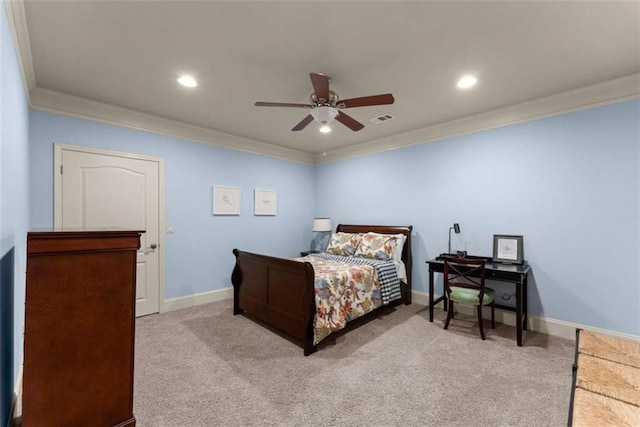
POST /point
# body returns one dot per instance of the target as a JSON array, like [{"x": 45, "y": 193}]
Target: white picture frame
[
  {"x": 507, "y": 249},
  {"x": 265, "y": 202},
  {"x": 226, "y": 200}
]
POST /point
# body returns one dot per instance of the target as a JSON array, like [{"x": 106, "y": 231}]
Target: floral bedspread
[{"x": 343, "y": 292}]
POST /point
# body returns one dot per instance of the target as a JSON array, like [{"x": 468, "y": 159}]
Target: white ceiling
[{"x": 129, "y": 54}]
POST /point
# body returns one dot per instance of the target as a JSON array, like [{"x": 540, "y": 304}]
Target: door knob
[{"x": 153, "y": 246}]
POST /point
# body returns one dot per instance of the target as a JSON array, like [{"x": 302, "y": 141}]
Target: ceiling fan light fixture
[
  {"x": 467, "y": 81},
  {"x": 187, "y": 81},
  {"x": 325, "y": 129},
  {"x": 324, "y": 105},
  {"x": 324, "y": 115}
]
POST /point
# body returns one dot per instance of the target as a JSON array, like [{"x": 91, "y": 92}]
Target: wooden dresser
[{"x": 79, "y": 328}]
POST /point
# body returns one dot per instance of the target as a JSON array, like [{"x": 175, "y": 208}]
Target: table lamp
[
  {"x": 456, "y": 229},
  {"x": 322, "y": 226}
]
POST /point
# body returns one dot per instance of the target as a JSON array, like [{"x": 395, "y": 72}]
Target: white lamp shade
[
  {"x": 324, "y": 115},
  {"x": 322, "y": 224}
]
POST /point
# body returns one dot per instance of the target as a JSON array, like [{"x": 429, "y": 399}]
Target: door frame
[{"x": 58, "y": 148}]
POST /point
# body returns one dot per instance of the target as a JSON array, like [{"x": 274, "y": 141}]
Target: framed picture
[
  {"x": 507, "y": 249},
  {"x": 265, "y": 202},
  {"x": 226, "y": 200}
]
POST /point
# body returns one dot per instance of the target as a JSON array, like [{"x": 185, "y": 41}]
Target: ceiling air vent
[{"x": 381, "y": 119}]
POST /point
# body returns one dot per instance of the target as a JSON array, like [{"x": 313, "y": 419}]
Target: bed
[{"x": 282, "y": 292}]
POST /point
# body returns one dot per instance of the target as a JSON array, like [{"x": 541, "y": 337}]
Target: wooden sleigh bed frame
[{"x": 280, "y": 292}]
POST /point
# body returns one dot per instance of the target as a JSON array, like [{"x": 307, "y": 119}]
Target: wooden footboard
[
  {"x": 277, "y": 291},
  {"x": 281, "y": 293}
]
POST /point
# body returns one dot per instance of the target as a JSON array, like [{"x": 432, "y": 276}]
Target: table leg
[
  {"x": 524, "y": 303},
  {"x": 519, "y": 314},
  {"x": 430, "y": 296}
]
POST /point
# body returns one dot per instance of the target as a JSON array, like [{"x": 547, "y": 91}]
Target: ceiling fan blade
[
  {"x": 349, "y": 121},
  {"x": 282, "y": 104},
  {"x": 303, "y": 124},
  {"x": 320, "y": 85},
  {"x": 366, "y": 101}
]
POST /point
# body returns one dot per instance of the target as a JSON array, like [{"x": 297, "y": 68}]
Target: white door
[{"x": 98, "y": 189}]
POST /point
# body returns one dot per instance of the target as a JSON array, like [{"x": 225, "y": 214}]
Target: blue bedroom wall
[
  {"x": 198, "y": 255},
  {"x": 14, "y": 212},
  {"x": 569, "y": 184}
]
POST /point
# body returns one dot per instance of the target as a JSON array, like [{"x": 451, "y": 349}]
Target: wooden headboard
[{"x": 387, "y": 229}]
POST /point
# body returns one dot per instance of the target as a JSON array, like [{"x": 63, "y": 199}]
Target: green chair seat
[
  {"x": 463, "y": 282},
  {"x": 470, "y": 296}
]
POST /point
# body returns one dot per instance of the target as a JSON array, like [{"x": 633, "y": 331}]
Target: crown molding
[
  {"x": 610, "y": 92},
  {"x": 17, "y": 18},
  {"x": 74, "y": 106}
]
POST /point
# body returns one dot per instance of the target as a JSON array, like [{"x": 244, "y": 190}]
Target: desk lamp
[
  {"x": 456, "y": 229},
  {"x": 323, "y": 227}
]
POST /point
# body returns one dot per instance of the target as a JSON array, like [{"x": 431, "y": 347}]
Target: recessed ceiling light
[
  {"x": 187, "y": 81},
  {"x": 325, "y": 129},
  {"x": 467, "y": 82}
]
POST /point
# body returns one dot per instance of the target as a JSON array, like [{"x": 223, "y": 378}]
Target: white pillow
[{"x": 397, "y": 252}]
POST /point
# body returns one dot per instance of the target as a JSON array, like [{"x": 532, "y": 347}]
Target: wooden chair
[{"x": 464, "y": 284}]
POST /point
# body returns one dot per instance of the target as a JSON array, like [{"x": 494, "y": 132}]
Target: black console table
[{"x": 516, "y": 274}]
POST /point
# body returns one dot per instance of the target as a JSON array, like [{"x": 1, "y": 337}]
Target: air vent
[{"x": 381, "y": 119}]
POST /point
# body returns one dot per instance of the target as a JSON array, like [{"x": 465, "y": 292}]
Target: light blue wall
[
  {"x": 198, "y": 254},
  {"x": 14, "y": 200},
  {"x": 569, "y": 184}
]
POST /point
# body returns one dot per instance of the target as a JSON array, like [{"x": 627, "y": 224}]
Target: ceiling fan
[{"x": 325, "y": 105}]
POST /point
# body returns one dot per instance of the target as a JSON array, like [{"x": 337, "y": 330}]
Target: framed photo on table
[{"x": 507, "y": 249}]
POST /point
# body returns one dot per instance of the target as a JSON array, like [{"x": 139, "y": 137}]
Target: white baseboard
[
  {"x": 546, "y": 325},
  {"x": 197, "y": 299},
  {"x": 15, "y": 412}
]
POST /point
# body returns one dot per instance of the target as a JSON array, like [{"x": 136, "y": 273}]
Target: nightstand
[{"x": 305, "y": 253}]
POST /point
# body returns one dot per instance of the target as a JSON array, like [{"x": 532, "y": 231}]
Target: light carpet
[{"x": 203, "y": 366}]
